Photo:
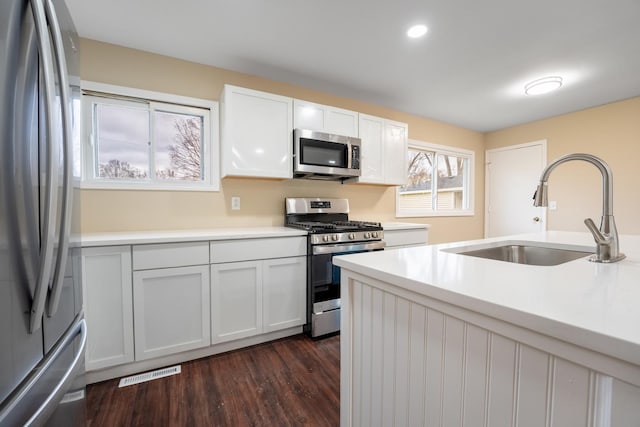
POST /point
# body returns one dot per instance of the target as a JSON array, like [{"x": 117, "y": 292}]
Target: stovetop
[
  {"x": 327, "y": 221},
  {"x": 335, "y": 226}
]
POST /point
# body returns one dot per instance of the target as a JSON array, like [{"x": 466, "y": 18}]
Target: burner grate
[
  {"x": 333, "y": 226},
  {"x": 312, "y": 225}
]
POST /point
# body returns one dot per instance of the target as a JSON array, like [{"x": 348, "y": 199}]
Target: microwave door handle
[
  {"x": 47, "y": 223},
  {"x": 67, "y": 193}
]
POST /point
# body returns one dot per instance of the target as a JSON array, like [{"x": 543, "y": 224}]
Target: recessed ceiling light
[
  {"x": 543, "y": 85},
  {"x": 417, "y": 31}
]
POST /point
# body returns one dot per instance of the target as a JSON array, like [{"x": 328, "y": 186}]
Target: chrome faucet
[{"x": 606, "y": 237}]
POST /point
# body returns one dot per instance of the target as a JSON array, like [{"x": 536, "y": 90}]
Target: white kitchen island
[{"x": 435, "y": 338}]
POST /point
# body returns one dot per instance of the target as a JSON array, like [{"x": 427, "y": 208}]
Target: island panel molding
[{"x": 408, "y": 359}]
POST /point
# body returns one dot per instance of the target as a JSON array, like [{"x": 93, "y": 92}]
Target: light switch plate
[{"x": 235, "y": 203}]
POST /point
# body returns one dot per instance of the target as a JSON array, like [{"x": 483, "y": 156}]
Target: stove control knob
[
  {"x": 325, "y": 238},
  {"x": 375, "y": 234},
  {"x": 352, "y": 236},
  {"x": 367, "y": 235},
  {"x": 334, "y": 237}
]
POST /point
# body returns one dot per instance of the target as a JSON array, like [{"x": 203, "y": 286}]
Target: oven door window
[
  {"x": 321, "y": 270},
  {"x": 323, "y": 153}
]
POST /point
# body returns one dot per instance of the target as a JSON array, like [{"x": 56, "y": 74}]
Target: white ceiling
[{"x": 469, "y": 70}]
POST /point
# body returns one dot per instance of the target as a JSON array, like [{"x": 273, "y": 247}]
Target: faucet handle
[
  {"x": 597, "y": 235},
  {"x": 540, "y": 196}
]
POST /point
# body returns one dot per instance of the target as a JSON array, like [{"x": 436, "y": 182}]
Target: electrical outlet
[
  {"x": 553, "y": 205},
  {"x": 235, "y": 203}
]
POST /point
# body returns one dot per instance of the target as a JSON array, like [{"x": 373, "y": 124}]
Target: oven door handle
[{"x": 348, "y": 247}]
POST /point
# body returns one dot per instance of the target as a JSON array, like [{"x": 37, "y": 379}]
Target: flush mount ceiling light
[
  {"x": 543, "y": 85},
  {"x": 417, "y": 31}
]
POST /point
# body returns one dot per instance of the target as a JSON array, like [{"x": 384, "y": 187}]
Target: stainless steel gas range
[{"x": 330, "y": 233}]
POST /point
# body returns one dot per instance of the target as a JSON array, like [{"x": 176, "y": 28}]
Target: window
[
  {"x": 147, "y": 140},
  {"x": 440, "y": 182}
]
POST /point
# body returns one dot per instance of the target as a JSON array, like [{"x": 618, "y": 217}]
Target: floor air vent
[{"x": 148, "y": 376}]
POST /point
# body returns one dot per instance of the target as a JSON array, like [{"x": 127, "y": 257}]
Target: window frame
[
  {"x": 469, "y": 182},
  {"x": 167, "y": 103}
]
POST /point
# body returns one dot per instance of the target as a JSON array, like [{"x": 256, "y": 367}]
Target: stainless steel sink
[{"x": 524, "y": 253}]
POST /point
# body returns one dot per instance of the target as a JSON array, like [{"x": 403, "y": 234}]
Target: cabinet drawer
[
  {"x": 415, "y": 236},
  {"x": 165, "y": 255},
  {"x": 253, "y": 249}
]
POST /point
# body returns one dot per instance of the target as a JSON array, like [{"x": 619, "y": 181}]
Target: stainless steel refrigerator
[{"x": 42, "y": 328}]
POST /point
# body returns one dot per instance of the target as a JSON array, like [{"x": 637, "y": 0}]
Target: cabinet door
[
  {"x": 172, "y": 312},
  {"x": 324, "y": 118},
  {"x": 257, "y": 133},
  {"x": 106, "y": 278},
  {"x": 342, "y": 122},
  {"x": 284, "y": 293},
  {"x": 236, "y": 300},
  {"x": 372, "y": 151},
  {"x": 384, "y": 151},
  {"x": 395, "y": 153},
  {"x": 307, "y": 115}
]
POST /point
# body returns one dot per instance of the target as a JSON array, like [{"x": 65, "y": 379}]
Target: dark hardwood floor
[{"x": 290, "y": 382}]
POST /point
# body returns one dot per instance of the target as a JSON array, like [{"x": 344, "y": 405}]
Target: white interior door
[{"x": 512, "y": 174}]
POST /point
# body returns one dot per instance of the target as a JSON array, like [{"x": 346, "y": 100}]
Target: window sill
[
  {"x": 434, "y": 214},
  {"x": 95, "y": 185}
]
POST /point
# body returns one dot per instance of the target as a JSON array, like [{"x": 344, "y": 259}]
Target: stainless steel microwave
[{"x": 319, "y": 155}]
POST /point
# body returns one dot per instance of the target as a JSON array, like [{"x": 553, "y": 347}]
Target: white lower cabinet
[
  {"x": 181, "y": 297},
  {"x": 405, "y": 238},
  {"x": 171, "y": 310},
  {"x": 106, "y": 278},
  {"x": 257, "y": 286},
  {"x": 236, "y": 296},
  {"x": 284, "y": 294},
  {"x": 254, "y": 297}
]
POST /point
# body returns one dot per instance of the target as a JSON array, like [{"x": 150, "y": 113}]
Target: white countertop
[
  {"x": 172, "y": 236},
  {"x": 593, "y": 305}
]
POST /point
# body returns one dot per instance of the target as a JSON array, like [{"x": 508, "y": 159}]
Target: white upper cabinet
[
  {"x": 371, "y": 150},
  {"x": 256, "y": 133},
  {"x": 256, "y": 140},
  {"x": 383, "y": 155},
  {"x": 395, "y": 152},
  {"x": 324, "y": 118}
]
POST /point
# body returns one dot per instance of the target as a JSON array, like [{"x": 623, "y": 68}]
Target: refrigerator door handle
[
  {"x": 51, "y": 402},
  {"x": 67, "y": 191},
  {"x": 48, "y": 224}
]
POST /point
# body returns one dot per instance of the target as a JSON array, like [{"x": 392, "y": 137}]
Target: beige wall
[
  {"x": 262, "y": 201},
  {"x": 611, "y": 132}
]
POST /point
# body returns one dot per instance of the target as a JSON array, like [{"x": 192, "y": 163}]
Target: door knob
[{"x": 536, "y": 219}]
